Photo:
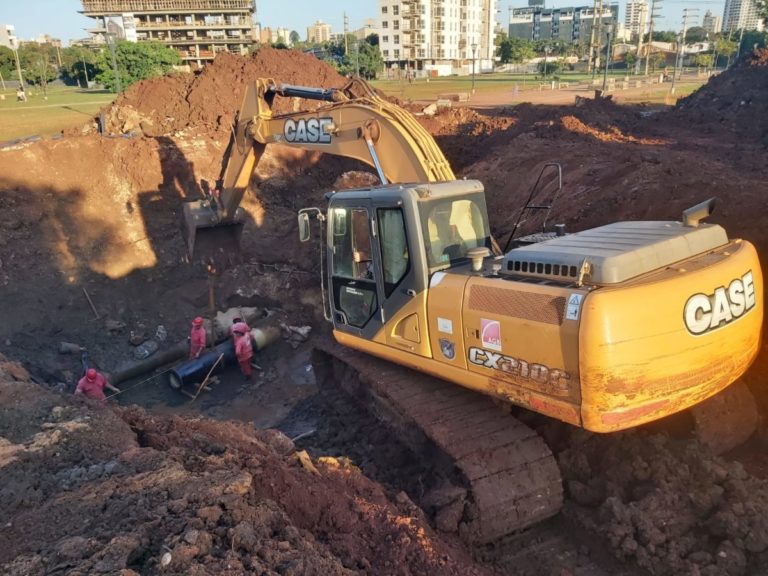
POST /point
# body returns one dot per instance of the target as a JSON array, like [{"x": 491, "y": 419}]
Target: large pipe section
[{"x": 195, "y": 370}]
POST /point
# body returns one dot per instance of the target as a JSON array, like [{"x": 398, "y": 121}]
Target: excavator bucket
[{"x": 208, "y": 238}]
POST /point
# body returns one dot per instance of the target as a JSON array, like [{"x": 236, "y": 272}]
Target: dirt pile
[
  {"x": 88, "y": 491},
  {"x": 667, "y": 506},
  {"x": 209, "y": 99},
  {"x": 732, "y": 102}
]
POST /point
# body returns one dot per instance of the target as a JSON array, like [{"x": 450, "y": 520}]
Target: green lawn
[{"x": 64, "y": 108}]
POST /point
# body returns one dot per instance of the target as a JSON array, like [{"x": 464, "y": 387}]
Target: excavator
[{"x": 438, "y": 330}]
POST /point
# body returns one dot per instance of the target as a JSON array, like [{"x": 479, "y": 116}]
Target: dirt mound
[
  {"x": 666, "y": 505},
  {"x": 733, "y": 102},
  {"x": 210, "y": 99},
  {"x": 189, "y": 497}
]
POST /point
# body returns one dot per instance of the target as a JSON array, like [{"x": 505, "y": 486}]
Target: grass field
[{"x": 64, "y": 108}]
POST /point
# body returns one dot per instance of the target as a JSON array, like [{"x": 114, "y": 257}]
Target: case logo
[
  {"x": 310, "y": 130},
  {"x": 706, "y": 312}
]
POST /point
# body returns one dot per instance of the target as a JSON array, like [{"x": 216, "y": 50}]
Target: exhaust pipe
[{"x": 693, "y": 215}]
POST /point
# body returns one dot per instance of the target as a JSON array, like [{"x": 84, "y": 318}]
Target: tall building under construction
[{"x": 197, "y": 29}]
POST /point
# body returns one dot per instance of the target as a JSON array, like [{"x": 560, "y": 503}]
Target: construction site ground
[{"x": 155, "y": 483}]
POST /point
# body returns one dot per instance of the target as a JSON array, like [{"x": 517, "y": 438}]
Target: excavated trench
[{"x": 102, "y": 223}]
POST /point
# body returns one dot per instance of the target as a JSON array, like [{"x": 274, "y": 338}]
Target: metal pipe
[{"x": 196, "y": 369}]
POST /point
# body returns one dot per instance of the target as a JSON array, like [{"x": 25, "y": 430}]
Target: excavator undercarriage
[{"x": 509, "y": 477}]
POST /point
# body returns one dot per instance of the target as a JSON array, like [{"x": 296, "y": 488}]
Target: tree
[
  {"x": 630, "y": 59},
  {"x": 725, "y": 47},
  {"x": 37, "y": 64},
  {"x": 77, "y": 63},
  {"x": 762, "y": 10},
  {"x": 695, "y": 34},
  {"x": 753, "y": 39},
  {"x": 551, "y": 67},
  {"x": 135, "y": 61},
  {"x": 702, "y": 60},
  {"x": 294, "y": 37},
  {"x": 663, "y": 36},
  {"x": 7, "y": 63},
  {"x": 515, "y": 50},
  {"x": 370, "y": 61}
]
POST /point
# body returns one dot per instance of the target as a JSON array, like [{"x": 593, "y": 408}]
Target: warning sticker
[
  {"x": 444, "y": 325},
  {"x": 574, "y": 305}
]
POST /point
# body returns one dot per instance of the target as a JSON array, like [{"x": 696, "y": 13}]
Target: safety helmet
[
  {"x": 197, "y": 321},
  {"x": 90, "y": 374}
]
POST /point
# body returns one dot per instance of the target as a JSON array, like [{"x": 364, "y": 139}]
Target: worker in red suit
[
  {"x": 243, "y": 349},
  {"x": 92, "y": 385},
  {"x": 197, "y": 338}
]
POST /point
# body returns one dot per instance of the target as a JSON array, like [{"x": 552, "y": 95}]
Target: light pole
[
  {"x": 607, "y": 59},
  {"x": 546, "y": 55},
  {"x": 474, "y": 48},
  {"x": 18, "y": 64}
]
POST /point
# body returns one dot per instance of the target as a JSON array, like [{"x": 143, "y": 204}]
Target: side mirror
[{"x": 305, "y": 232}]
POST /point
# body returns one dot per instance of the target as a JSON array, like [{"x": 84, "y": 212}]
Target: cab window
[
  {"x": 395, "y": 259},
  {"x": 452, "y": 227}
]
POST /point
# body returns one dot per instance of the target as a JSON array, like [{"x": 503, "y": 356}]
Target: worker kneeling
[
  {"x": 243, "y": 349},
  {"x": 92, "y": 385}
]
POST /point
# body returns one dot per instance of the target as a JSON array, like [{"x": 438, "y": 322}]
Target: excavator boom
[{"x": 354, "y": 122}]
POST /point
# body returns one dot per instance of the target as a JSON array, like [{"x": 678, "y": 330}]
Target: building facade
[
  {"x": 437, "y": 37},
  {"x": 636, "y": 17},
  {"x": 741, "y": 14},
  {"x": 572, "y": 25},
  {"x": 711, "y": 23},
  {"x": 8, "y": 36},
  {"x": 197, "y": 29},
  {"x": 319, "y": 32}
]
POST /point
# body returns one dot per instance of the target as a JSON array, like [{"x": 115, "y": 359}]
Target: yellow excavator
[{"x": 604, "y": 329}]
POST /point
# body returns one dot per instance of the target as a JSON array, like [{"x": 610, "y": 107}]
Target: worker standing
[
  {"x": 243, "y": 349},
  {"x": 197, "y": 338},
  {"x": 92, "y": 385}
]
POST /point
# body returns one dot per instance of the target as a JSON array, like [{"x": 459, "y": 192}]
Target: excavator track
[{"x": 509, "y": 475}]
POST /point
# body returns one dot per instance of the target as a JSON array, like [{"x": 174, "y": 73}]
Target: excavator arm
[{"x": 355, "y": 123}]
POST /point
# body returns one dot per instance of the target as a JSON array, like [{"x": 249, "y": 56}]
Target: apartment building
[
  {"x": 740, "y": 14},
  {"x": 319, "y": 32},
  {"x": 572, "y": 24},
  {"x": 636, "y": 17},
  {"x": 197, "y": 29},
  {"x": 711, "y": 23},
  {"x": 437, "y": 37},
  {"x": 8, "y": 36}
]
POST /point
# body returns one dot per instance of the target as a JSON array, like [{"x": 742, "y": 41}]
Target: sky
[{"x": 60, "y": 18}]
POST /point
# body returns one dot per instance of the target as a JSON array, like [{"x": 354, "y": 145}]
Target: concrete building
[
  {"x": 8, "y": 36},
  {"x": 740, "y": 14},
  {"x": 319, "y": 32},
  {"x": 573, "y": 24},
  {"x": 636, "y": 17},
  {"x": 368, "y": 28},
  {"x": 711, "y": 23},
  {"x": 197, "y": 29},
  {"x": 437, "y": 37}
]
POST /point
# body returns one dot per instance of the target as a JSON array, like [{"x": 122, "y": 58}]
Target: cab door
[{"x": 376, "y": 284}]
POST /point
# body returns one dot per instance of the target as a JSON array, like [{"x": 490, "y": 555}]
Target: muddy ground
[{"x": 90, "y": 216}]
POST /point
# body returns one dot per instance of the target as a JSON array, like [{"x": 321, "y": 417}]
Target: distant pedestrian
[
  {"x": 197, "y": 338},
  {"x": 21, "y": 96},
  {"x": 243, "y": 350},
  {"x": 92, "y": 385}
]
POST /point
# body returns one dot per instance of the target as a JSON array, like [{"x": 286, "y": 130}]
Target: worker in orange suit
[
  {"x": 243, "y": 349},
  {"x": 197, "y": 338},
  {"x": 92, "y": 385}
]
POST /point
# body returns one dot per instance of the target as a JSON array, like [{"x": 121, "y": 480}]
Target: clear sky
[{"x": 60, "y": 18}]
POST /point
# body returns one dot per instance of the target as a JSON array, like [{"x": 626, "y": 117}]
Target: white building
[
  {"x": 711, "y": 23},
  {"x": 319, "y": 32},
  {"x": 740, "y": 14},
  {"x": 437, "y": 37},
  {"x": 636, "y": 17},
  {"x": 8, "y": 36}
]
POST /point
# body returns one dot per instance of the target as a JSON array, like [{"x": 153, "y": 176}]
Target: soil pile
[
  {"x": 733, "y": 101},
  {"x": 87, "y": 491},
  {"x": 668, "y": 506},
  {"x": 209, "y": 99}
]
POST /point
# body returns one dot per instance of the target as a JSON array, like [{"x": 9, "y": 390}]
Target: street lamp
[
  {"x": 546, "y": 55},
  {"x": 607, "y": 59},
  {"x": 474, "y": 48}
]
